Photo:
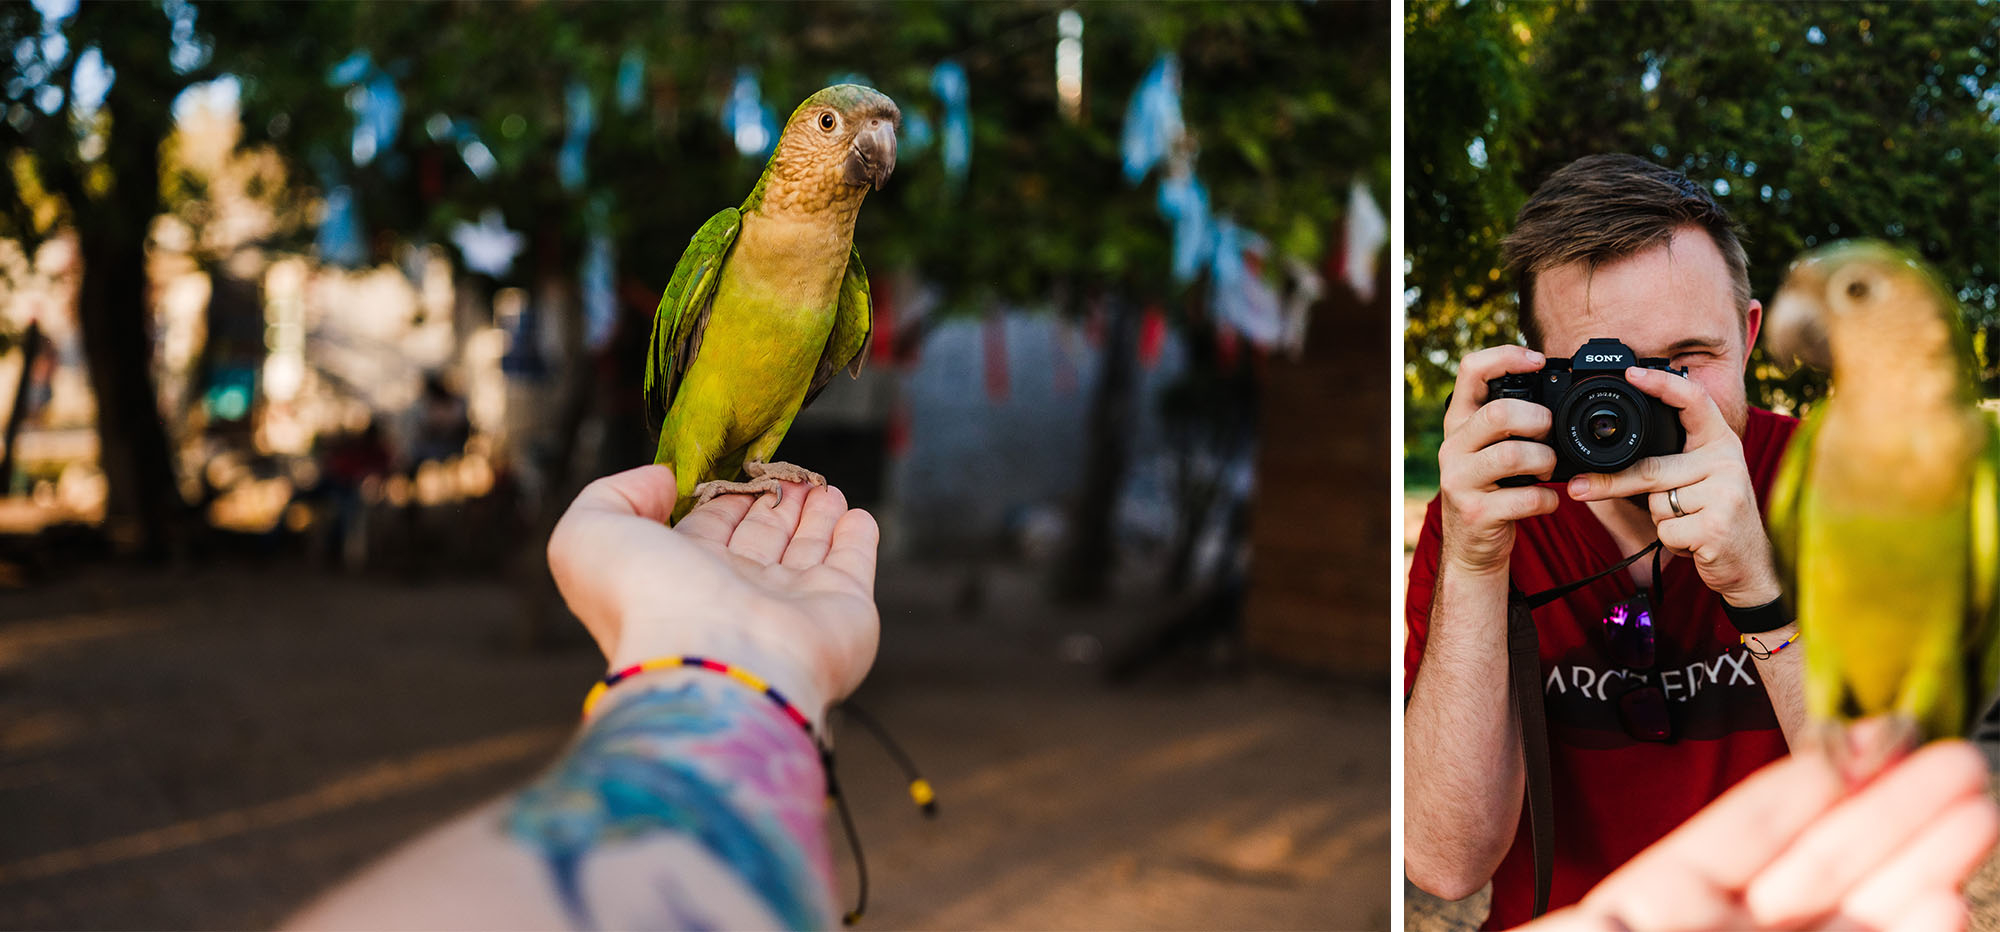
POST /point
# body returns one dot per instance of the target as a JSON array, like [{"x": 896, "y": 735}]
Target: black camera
[{"x": 1600, "y": 422}]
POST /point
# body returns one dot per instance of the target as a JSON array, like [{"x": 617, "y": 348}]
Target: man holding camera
[{"x": 1663, "y": 682}]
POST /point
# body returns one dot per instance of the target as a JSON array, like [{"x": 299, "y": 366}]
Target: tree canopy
[
  {"x": 1810, "y": 122},
  {"x": 1288, "y": 102}
]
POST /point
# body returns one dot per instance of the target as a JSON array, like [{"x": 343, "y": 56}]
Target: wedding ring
[{"x": 1674, "y": 502}]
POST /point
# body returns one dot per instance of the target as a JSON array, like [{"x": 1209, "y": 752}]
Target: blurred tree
[
  {"x": 1288, "y": 103},
  {"x": 86, "y": 157},
  {"x": 1810, "y": 122}
]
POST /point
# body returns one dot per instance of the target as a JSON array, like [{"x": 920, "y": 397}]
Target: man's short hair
[{"x": 1602, "y": 208}]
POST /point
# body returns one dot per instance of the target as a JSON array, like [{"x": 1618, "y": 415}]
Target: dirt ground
[{"x": 209, "y": 749}]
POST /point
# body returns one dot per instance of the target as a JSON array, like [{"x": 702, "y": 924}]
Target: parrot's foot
[
  {"x": 783, "y": 472},
  {"x": 707, "y": 491},
  {"x": 1860, "y": 750}
]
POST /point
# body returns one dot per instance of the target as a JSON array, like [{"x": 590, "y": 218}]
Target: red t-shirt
[{"x": 1615, "y": 795}]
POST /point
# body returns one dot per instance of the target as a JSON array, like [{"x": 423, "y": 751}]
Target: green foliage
[
  {"x": 63, "y": 167},
  {"x": 1287, "y": 101},
  {"x": 1810, "y": 121}
]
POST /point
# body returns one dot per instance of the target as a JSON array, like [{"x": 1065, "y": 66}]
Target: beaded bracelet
[
  {"x": 738, "y": 674},
  {"x": 1770, "y": 652}
]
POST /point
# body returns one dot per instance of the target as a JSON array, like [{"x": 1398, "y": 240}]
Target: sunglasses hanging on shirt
[{"x": 1630, "y": 643}]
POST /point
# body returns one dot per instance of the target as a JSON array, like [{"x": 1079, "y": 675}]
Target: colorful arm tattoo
[{"x": 688, "y": 762}]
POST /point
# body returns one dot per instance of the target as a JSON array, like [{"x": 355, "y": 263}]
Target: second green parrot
[
  {"x": 769, "y": 302},
  {"x": 1886, "y": 511}
]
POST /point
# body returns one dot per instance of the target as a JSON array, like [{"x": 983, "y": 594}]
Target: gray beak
[
  {"x": 872, "y": 156},
  {"x": 1795, "y": 326}
]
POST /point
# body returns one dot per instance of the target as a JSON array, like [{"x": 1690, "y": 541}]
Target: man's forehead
[{"x": 1659, "y": 300}]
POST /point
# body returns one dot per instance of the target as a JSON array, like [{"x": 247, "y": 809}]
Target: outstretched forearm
[
  {"x": 689, "y": 801},
  {"x": 1462, "y": 741}
]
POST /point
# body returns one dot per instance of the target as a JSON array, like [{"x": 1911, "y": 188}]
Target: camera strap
[{"x": 1524, "y": 659}]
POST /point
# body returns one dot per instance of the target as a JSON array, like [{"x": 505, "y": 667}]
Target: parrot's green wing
[
  {"x": 853, "y": 325},
  {"x": 683, "y": 313},
  {"x": 1781, "y": 509}
]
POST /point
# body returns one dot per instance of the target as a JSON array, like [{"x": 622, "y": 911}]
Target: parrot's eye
[
  {"x": 826, "y": 121},
  {"x": 1857, "y": 289}
]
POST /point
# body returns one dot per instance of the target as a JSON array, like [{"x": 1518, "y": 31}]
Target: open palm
[{"x": 784, "y": 589}]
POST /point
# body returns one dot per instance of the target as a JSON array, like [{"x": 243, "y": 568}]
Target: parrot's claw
[
  {"x": 783, "y": 472},
  {"x": 707, "y": 491},
  {"x": 1826, "y": 740},
  {"x": 1860, "y": 750}
]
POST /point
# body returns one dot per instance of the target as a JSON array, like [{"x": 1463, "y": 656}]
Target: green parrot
[
  {"x": 769, "y": 302},
  {"x": 1885, "y": 514}
]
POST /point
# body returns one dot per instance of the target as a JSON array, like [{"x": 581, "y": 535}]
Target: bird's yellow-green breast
[{"x": 736, "y": 354}]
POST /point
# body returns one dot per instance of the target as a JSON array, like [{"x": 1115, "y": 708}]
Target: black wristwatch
[{"x": 1758, "y": 619}]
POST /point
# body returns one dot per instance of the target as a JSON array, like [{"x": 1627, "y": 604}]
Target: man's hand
[
  {"x": 1483, "y": 444},
  {"x": 1794, "y": 847},
  {"x": 784, "y": 589},
  {"x": 1721, "y": 527}
]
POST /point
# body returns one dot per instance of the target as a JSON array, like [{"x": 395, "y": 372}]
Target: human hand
[
  {"x": 1720, "y": 527},
  {"x": 1795, "y": 847},
  {"x": 787, "y": 591},
  {"x": 1483, "y": 444}
]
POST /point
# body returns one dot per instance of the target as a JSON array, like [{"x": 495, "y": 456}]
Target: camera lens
[
  {"x": 1601, "y": 424},
  {"x": 1604, "y": 426}
]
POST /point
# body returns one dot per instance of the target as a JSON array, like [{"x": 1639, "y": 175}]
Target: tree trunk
[
  {"x": 1085, "y": 575},
  {"x": 31, "y": 347},
  {"x": 118, "y": 347},
  {"x": 144, "y": 499}
]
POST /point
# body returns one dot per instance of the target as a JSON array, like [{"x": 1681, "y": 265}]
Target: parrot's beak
[
  {"x": 1795, "y": 324},
  {"x": 872, "y": 156}
]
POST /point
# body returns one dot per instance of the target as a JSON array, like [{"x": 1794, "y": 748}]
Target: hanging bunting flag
[
  {"x": 882, "y": 329},
  {"x": 1367, "y": 230},
  {"x": 1152, "y": 335},
  {"x": 745, "y": 117},
  {"x": 375, "y": 102},
  {"x": 1152, "y": 119},
  {"x": 582, "y": 109},
  {"x": 955, "y": 144},
  {"x": 1307, "y": 288},
  {"x": 1183, "y": 200},
  {"x": 350, "y": 70},
  {"x": 917, "y": 134},
  {"x": 598, "y": 279},
  {"x": 478, "y": 159},
  {"x": 339, "y": 238},
  {"x": 1240, "y": 297},
  {"x": 631, "y": 80},
  {"x": 489, "y": 247}
]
